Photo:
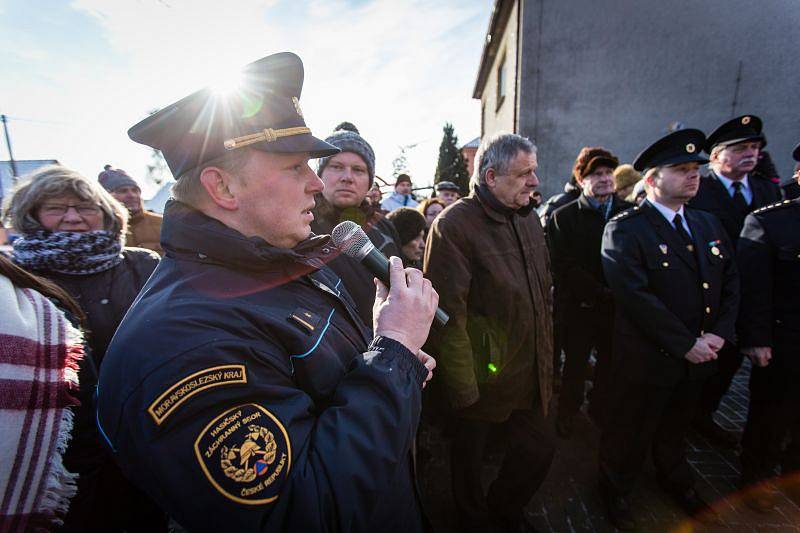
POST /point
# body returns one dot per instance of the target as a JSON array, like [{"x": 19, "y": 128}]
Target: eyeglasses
[{"x": 59, "y": 210}]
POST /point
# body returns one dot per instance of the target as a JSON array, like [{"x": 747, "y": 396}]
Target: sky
[{"x": 76, "y": 75}]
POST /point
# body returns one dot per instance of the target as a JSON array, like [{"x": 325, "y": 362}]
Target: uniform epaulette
[
  {"x": 626, "y": 214},
  {"x": 776, "y": 205}
]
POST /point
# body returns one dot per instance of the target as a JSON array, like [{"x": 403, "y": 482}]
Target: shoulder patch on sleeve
[
  {"x": 776, "y": 205},
  {"x": 245, "y": 454},
  {"x": 208, "y": 378}
]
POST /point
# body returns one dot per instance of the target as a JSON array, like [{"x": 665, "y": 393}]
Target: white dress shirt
[
  {"x": 747, "y": 192},
  {"x": 669, "y": 214}
]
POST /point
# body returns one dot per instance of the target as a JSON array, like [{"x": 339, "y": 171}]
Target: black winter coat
[
  {"x": 105, "y": 297},
  {"x": 570, "y": 194},
  {"x": 575, "y": 234}
]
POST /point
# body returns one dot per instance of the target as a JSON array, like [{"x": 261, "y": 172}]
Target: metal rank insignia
[{"x": 663, "y": 248}]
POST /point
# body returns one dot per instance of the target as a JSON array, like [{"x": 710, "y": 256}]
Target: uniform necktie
[
  {"x": 739, "y": 201},
  {"x": 682, "y": 233}
]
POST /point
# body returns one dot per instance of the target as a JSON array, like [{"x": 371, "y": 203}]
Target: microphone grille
[{"x": 351, "y": 239}]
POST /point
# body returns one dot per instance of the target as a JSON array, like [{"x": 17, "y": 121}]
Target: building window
[{"x": 501, "y": 82}]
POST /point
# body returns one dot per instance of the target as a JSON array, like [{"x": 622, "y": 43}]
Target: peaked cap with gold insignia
[
  {"x": 262, "y": 112},
  {"x": 682, "y": 146},
  {"x": 736, "y": 130}
]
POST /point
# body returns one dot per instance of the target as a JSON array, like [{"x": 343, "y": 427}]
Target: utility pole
[{"x": 10, "y": 153}]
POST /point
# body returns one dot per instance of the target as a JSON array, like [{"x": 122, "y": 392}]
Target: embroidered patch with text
[
  {"x": 174, "y": 396},
  {"x": 245, "y": 453}
]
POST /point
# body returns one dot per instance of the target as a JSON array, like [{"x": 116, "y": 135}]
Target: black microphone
[{"x": 352, "y": 241}]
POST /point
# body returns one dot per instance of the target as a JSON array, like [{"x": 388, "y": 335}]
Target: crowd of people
[{"x": 228, "y": 368}]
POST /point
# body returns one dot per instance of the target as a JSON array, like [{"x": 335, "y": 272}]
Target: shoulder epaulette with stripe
[
  {"x": 626, "y": 214},
  {"x": 770, "y": 207}
]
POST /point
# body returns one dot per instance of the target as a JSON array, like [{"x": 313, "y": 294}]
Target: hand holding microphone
[
  {"x": 405, "y": 302},
  {"x": 352, "y": 241}
]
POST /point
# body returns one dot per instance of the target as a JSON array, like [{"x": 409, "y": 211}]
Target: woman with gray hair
[{"x": 72, "y": 233}]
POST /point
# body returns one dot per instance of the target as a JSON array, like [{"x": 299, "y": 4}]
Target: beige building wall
[{"x": 498, "y": 113}]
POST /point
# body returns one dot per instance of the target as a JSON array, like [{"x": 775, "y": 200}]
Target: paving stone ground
[{"x": 568, "y": 500}]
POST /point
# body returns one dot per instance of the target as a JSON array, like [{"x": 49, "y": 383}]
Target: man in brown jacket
[
  {"x": 486, "y": 256},
  {"x": 144, "y": 227}
]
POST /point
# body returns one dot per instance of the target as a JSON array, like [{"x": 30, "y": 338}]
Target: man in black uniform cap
[
  {"x": 769, "y": 260},
  {"x": 730, "y": 191},
  {"x": 241, "y": 391},
  {"x": 674, "y": 282},
  {"x": 791, "y": 189}
]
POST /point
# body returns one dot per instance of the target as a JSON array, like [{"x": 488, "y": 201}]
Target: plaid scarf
[
  {"x": 39, "y": 355},
  {"x": 68, "y": 252}
]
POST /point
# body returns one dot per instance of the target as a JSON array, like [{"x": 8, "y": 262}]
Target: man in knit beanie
[
  {"x": 144, "y": 228},
  {"x": 348, "y": 177}
]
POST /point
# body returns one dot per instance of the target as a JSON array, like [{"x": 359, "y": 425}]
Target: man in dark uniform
[
  {"x": 769, "y": 260},
  {"x": 241, "y": 391},
  {"x": 730, "y": 191},
  {"x": 791, "y": 189},
  {"x": 674, "y": 281},
  {"x": 575, "y": 233}
]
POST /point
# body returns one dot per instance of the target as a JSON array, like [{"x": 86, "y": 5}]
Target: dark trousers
[
  {"x": 587, "y": 329},
  {"x": 528, "y": 455},
  {"x": 774, "y": 405},
  {"x": 729, "y": 361},
  {"x": 640, "y": 417}
]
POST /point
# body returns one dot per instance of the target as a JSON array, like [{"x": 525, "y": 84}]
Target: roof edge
[{"x": 497, "y": 23}]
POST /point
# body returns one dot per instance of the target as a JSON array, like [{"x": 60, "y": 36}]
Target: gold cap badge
[
  {"x": 690, "y": 148},
  {"x": 745, "y": 120}
]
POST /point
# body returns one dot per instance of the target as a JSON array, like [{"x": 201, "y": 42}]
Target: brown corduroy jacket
[
  {"x": 490, "y": 266},
  {"x": 144, "y": 231}
]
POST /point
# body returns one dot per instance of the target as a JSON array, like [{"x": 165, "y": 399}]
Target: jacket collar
[
  {"x": 585, "y": 203},
  {"x": 496, "y": 210},
  {"x": 326, "y": 216},
  {"x": 190, "y": 234}
]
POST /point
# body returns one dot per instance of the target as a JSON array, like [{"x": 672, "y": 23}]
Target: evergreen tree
[
  {"x": 451, "y": 165},
  {"x": 400, "y": 163}
]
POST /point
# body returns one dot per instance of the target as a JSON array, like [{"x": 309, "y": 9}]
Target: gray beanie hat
[
  {"x": 112, "y": 179},
  {"x": 347, "y": 138}
]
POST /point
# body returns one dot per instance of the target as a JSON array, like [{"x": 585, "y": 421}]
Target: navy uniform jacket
[
  {"x": 235, "y": 392},
  {"x": 665, "y": 298},
  {"x": 769, "y": 251},
  {"x": 713, "y": 198}
]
